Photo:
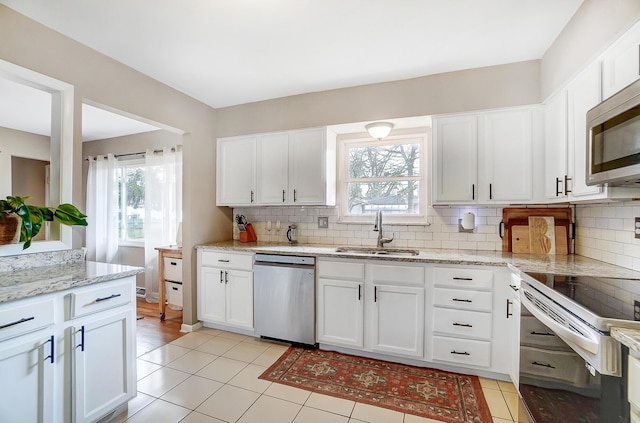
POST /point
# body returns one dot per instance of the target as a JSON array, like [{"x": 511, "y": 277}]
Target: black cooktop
[{"x": 605, "y": 297}]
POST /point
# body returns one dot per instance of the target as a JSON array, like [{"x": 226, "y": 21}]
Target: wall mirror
[{"x": 36, "y": 137}]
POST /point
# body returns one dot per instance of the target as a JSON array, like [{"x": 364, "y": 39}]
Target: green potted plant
[{"x": 33, "y": 217}]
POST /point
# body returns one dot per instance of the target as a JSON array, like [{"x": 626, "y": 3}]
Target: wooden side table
[{"x": 171, "y": 251}]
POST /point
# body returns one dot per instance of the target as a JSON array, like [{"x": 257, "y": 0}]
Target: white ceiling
[{"x": 229, "y": 52}]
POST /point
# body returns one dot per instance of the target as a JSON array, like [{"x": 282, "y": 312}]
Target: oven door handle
[{"x": 583, "y": 342}]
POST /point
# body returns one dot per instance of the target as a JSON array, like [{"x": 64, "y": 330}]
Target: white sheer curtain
[
  {"x": 102, "y": 209},
  {"x": 162, "y": 210}
]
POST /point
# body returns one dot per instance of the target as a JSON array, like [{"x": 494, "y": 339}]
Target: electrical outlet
[
  {"x": 323, "y": 222},
  {"x": 636, "y": 310}
]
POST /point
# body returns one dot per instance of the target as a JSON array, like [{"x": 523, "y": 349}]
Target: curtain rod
[{"x": 142, "y": 153}]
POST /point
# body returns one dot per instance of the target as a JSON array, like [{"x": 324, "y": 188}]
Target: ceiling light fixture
[{"x": 379, "y": 130}]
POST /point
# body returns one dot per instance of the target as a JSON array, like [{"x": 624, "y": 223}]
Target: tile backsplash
[{"x": 442, "y": 232}]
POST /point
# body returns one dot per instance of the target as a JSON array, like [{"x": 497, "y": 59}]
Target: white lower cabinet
[
  {"x": 340, "y": 312},
  {"x": 225, "y": 289},
  {"x": 633, "y": 392},
  {"x": 70, "y": 356}
]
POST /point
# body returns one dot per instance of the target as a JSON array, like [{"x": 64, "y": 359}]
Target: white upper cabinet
[
  {"x": 283, "y": 168},
  {"x": 235, "y": 171},
  {"x": 485, "y": 157},
  {"x": 621, "y": 63},
  {"x": 555, "y": 146}
]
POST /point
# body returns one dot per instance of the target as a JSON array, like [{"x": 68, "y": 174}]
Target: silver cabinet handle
[
  {"x": 108, "y": 298},
  {"x": 17, "y": 322}
]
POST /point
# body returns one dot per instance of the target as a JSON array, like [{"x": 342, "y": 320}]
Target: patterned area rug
[{"x": 435, "y": 394}]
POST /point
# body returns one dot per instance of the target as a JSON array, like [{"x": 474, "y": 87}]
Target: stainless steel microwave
[{"x": 613, "y": 139}]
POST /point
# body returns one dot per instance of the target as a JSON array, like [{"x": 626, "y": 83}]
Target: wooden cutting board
[
  {"x": 520, "y": 239},
  {"x": 542, "y": 236},
  {"x": 518, "y": 216}
]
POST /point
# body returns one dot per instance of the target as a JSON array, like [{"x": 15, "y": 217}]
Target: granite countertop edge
[
  {"x": 572, "y": 265},
  {"x": 30, "y": 282},
  {"x": 628, "y": 337}
]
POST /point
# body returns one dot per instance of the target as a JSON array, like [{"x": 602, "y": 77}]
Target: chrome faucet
[{"x": 378, "y": 228}]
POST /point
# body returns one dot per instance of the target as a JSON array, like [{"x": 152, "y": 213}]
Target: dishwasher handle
[{"x": 287, "y": 265}]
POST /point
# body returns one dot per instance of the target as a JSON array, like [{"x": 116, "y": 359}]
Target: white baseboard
[{"x": 190, "y": 328}]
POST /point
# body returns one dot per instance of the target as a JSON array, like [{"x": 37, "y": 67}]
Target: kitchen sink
[{"x": 378, "y": 251}]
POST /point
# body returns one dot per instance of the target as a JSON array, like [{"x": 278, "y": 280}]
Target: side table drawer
[{"x": 173, "y": 269}]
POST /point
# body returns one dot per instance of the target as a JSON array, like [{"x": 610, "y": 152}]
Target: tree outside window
[{"x": 131, "y": 200}]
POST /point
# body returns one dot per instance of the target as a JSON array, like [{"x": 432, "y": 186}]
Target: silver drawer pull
[
  {"x": 460, "y": 353},
  {"x": 466, "y": 325},
  {"x": 108, "y": 298},
  {"x": 535, "y": 363},
  {"x": 455, "y": 278},
  {"x": 461, "y": 300},
  {"x": 533, "y": 332},
  {"x": 17, "y": 322}
]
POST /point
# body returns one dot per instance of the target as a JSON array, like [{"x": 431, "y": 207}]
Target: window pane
[
  {"x": 400, "y": 197},
  {"x": 384, "y": 161},
  {"x": 133, "y": 184}
]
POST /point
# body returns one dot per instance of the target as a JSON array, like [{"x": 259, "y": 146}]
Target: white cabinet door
[
  {"x": 340, "y": 318},
  {"x": 236, "y": 174},
  {"x": 239, "y": 298},
  {"x": 620, "y": 65},
  {"x": 307, "y": 167},
  {"x": 456, "y": 159},
  {"x": 583, "y": 94},
  {"x": 272, "y": 169},
  {"x": 103, "y": 360},
  {"x": 398, "y": 320},
  {"x": 212, "y": 295},
  {"x": 27, "y": 373},
  {"x": 555, "y": 142},
  {"x": 506, "y": 151}
]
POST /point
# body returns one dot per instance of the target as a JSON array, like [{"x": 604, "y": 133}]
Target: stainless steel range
[{"x": 571, "y": 370}]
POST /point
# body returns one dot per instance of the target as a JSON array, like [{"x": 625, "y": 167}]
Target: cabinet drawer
[
  {"x": 464, "y": 351},
  {"x": 634, "y": 381},
  {"x": 463, "y": 278},
  {"x": 26, "y": 316},
  {"x": 173, "y": 269},
  {"x": 100, "y": 297},
  {"x": 410, "y": 275},
  {"x": 340, "y": 270},
  {"x": 534, "y": 333},
  {"x": 463, "y": 300},
  {"x": 560, "y": 365},
  {"x": 470, "y": 324},
  {"x": 227, "y": 260}
]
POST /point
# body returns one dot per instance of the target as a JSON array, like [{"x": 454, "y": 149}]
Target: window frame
[
  {"x": 123, "y": 165},
  {"x": 345, "y": 141}
]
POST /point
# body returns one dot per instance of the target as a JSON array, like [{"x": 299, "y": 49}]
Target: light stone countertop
[
  {"x": 29, "y": 282},
  {"x": 628, "y": 337},
  {"x": 557, "y": 264}
]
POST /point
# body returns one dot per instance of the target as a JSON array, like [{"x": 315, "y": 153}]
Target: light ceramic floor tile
[
  {"x": 267, "y": 358},
  {"x": 331, "y": 404},
  {"x": 192, "y": 392},
  {"x": 372, "y": 414},
  {"x": 497, "y": 404},
  {"x": 192, "y": 340},
  {"x": 278, "y": 411},
  {"x": 232, "y": 335},
  {"x": 410, "y": 418},
  {"x": 288, "y": 393},
  {"x": 228, "y": 403},
  {"x": 218, "y": 346},
  {"x": 222, "y": 369},
  {"x": 248, "y": 379},
  {"x": 138, "y": 403},
  {"x": 209, "y": 331},
  {"x": 192, "y": 361},
  {"x": 489, "y": 383},
  {"x": 160, "y": 412},
  {"x": 196, "y": 417},
  {"x": 506, "y": 386},
  {"x": 512, "y": 400},
  {"x": 165, "y": 354},
  {"x": 313, "y": 415},
  {"x": 245, "y": 351},
  {"x": 145, "y": 368},
  {"x": 161, "y": 381}
]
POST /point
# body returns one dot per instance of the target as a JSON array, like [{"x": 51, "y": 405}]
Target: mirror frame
[{"x": 62, "y": 108}]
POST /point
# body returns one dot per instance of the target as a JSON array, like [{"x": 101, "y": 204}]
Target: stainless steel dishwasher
[{"x": 284, "y": 298}]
